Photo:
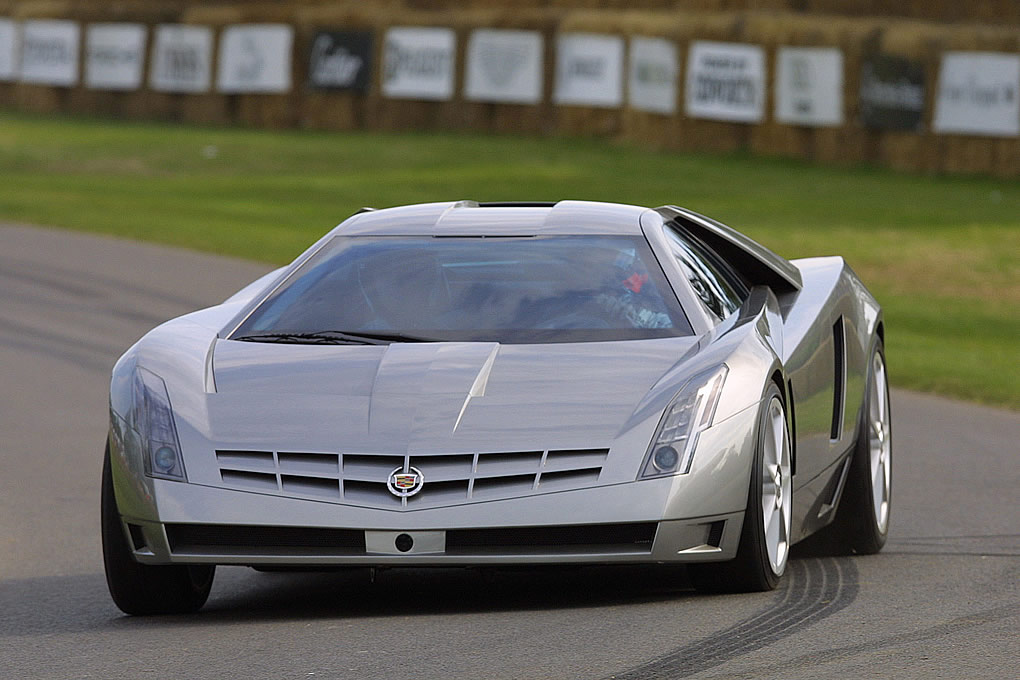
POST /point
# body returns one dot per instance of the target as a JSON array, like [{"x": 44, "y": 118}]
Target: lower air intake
[
  {"x": 219, "y": 538},
  {"x": 635, "y": 537}
]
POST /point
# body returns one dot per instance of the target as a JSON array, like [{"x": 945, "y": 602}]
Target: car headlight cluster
[
  {"x": 154, "y": 424},
  {"x": 690, "y": 412}
]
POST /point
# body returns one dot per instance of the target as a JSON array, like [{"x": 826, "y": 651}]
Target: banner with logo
[
  {"x": 892, "y": 93},
  {"x": 181, "y": 58},
  {"x": 653, "y": 72},
  {"x": 418, "y": 63},
  {"x": 809, "y": 86},
  {"x": 978, "y": 94},
  {"x": 589, "y": 70},
  {"x": 255, "y": 58},
  {"x": 114, "y": 54},
  {"x": 8, "y": 50},
  {"x": 49, "y": 52},
  {"x": 725, "y": 81},
  {"x": 341, "y": 60},
  {"x": 504, "y": 66}
]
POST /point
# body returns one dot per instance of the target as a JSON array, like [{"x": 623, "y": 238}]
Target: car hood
[{"x": 434, "y": 396}]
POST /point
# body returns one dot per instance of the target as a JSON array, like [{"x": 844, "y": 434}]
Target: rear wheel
[
  {"x": 765, "y": 538},
  {"x": 141, "y": 589},
  {"x": 862, "y": 519}
]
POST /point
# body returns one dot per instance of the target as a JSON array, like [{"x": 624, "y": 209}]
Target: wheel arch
[{"x": 785, "y": 386}]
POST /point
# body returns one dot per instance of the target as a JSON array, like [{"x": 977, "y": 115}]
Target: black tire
[
  {"x": 141, "y": 589},
  {"x": 856, "y": 528},
  {"x": 751, "y": 570}
]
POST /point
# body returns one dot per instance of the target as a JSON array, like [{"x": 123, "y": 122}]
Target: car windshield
[{"x": 496, "y": 289}]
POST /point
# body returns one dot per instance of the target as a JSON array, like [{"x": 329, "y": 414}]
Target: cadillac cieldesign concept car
[{"x": 496, "y": 384}]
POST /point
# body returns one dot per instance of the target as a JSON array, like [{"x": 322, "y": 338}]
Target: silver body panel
[{"x": 516, "y": 437}]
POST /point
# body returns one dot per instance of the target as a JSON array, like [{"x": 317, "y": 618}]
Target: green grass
[{"x": 942, "y": 254}]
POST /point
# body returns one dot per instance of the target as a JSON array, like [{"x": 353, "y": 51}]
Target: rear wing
[{"x": 753, "y": 260}]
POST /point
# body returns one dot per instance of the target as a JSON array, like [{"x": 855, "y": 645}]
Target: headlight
[
  {"x": 690, "y": 412},
  {"x": 154, "y": 423}
]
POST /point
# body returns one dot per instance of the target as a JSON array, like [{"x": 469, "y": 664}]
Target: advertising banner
[
  {"x": 181, "y": 58},
  {"x": 892, "y": 93},
  {"x": 653, "y": 72},
  {"x": 8, "y": 50},
  {"x": 725, "y": 81},
  {"x": 504, "y": 66},
  {"x": 114, "y": 54},
  {"x": 255, "y": 58},
  {"x": 341, "y": 60},
  {"x": 809, "y": 86},
  {"x": 979, "y": 94},
  {"x": 418, "y": 63},
  {"x": 49, "y": 52},
  {"x": 589, "y": 70}
]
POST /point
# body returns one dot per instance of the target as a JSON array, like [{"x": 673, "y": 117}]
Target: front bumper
[
  {"x": 694, "y": 517},
  {"x": 615, "y": 524}
]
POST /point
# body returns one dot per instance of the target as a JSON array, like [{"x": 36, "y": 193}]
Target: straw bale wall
[{"x": 857, "y": 27}]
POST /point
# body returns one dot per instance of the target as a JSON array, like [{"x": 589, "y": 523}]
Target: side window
[{"x": 718, "y": 289}]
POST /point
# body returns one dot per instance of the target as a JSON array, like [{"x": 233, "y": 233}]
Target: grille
[{"x": 450, "y": 478}]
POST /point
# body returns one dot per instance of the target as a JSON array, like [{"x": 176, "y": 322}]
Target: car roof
[{"x": 470, "y": 218}]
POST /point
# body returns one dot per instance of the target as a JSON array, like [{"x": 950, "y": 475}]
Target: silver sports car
[{"x": 493, "y": 384}]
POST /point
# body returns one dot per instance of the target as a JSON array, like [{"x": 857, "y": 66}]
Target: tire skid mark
[
  {"x": 989, "y": 545},
  {"x": 60, "y": 349},
  {"x": 839, "y": 654},
  {"x": 813, "y": 590},
  {"x": 30, "y": 274},
  {"x": 95, "y": 308},
  {"x": 85, "y": 283},
  {"x": 31, "y": 332}
]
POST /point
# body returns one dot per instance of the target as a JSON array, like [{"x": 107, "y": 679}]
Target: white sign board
[
  {"x": 979, "y": 94},
  {"x": 114, "y": 55},
  {"x": 255, "y": 58},
  {"x": 49, "y": 52},
  {"x": 809, "y": 86},
  {"x": 504, "y": 66},
  {"x": 181, "y": 58},
  {"x": 725, "y": 81},
  {"x": 653, "y": 71},
  {"x": 8, "y": 49},
  {"x": 418, "y": 63},
  {"x": 589, "y": 70}
]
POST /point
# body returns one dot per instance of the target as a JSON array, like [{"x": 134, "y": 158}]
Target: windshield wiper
[
  {"x": 332, "y": 338},
  {"x": 383, "y": 336}
]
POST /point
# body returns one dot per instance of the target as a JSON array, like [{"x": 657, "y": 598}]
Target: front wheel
[
  {"x": 765, "y": 538},
  {"x": 141, "y": 589}
]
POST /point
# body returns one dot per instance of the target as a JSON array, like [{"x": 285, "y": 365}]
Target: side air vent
[{"x": 839, "y": 378}]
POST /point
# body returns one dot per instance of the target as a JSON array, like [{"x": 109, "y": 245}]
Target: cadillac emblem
[{"x": 405, "y": 483}]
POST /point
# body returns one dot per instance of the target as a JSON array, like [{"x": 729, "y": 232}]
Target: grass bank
[{"x": 942, "y": 254}]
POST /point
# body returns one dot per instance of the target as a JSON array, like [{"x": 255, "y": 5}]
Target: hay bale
[
  {"x": 325, "y": 109},
  {"x": 702, "y": 134},
  {"x": 1006, "y": 158},
  {"x": 503, "y": 117},
  {"x": 206, "y": 109},
  {"x": 845, "y": 144},
  {"x": 927, "y": 42}
]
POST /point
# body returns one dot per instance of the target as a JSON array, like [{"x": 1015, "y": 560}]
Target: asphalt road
[{"x": 942, "y": 601}]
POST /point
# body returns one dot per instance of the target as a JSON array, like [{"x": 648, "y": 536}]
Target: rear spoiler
[{"x": 759, "y": 264}]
